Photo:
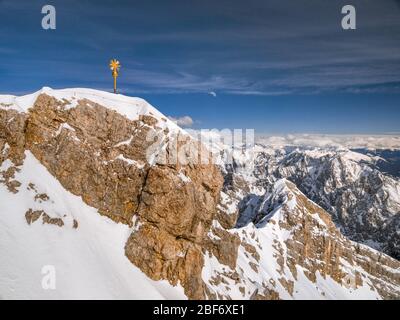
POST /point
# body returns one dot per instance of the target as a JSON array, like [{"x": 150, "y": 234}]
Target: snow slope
[{"x": 89, "y": 261}]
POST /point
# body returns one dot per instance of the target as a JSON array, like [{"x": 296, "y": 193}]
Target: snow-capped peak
[{"x": 130, "y": 107}]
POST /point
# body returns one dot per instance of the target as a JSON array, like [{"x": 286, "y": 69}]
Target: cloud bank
[
  {"x": 390, "y": 141},
  {"x": 184, "y": 121}
]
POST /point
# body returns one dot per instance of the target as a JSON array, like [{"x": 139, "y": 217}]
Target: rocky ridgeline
[
  {"x": 100, "y": 155},
  {"x": 280, "y": 229}
]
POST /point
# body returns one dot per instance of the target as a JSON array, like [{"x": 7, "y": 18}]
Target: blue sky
[{"x": 276, "y": 66}]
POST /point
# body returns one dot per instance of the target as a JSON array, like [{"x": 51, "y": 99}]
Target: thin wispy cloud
[
  {"x": 272, "y": 49},
  {"x": 276, "y": 65}
]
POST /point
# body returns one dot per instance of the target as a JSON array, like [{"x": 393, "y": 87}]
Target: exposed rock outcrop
[
  {"x": 100, "y": 155},
  {"x": 305, "y": 240}
]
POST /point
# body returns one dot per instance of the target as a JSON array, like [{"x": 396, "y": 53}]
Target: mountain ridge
[{"x": 178, "y": 222}]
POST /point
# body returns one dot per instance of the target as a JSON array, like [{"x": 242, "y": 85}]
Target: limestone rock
[{"x": 101, "y": 156}]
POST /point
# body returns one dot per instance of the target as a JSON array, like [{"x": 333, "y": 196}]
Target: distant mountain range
[
  {"x": 363, "y": 199},
  {"x": 389, "y": 161}
]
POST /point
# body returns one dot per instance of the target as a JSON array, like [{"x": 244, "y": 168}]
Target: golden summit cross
[{"x": 115, "y": 66}]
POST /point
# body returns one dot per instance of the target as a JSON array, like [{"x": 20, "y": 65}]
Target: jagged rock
[
  {"x": 163, "y": 256},
  {"x": 41, "y": 197},
  {"x": 55, "y": 221},
  {"x": 182, "y": 209},
  {"x": 252, "y": 250},
  {"x": 12, "y": 131},
  {"x": 78, "y": 146},
  {"x": 267, "y": 294},
  {"x": 31, "y": 216},
  {"x": 100, "y": 155},
  {"x": 224, "y": 246}
]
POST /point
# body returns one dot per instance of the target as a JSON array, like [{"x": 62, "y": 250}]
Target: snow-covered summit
[{"x": 131, "y": 107}]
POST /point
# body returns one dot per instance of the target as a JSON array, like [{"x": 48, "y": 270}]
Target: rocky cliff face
[
  {"x": 307, "y": 243},
  {"x": 100, "y": 155},
  {"x": 219, "y": 232}
]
